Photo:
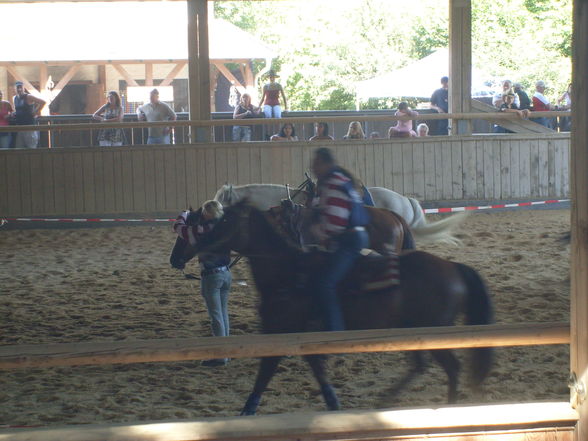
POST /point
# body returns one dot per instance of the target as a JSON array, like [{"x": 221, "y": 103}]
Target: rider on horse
[{"x": 341, "y": 229}]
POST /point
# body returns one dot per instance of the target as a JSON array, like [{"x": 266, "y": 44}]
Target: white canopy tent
[{"x": 418, "y": 79}]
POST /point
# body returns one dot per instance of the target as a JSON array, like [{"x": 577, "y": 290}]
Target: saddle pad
[
  {"x": 387, "y": 277},
  {"x": 286, "y": 222}
]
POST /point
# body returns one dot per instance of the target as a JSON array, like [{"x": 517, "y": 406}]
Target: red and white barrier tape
[
  {"x": 427, "y": 211},
  {"x": 36, "y": 219},
  {"x": 489, "y": 207}
]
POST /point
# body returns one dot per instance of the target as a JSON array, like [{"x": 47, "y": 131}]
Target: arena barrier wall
[
  {"x": 553, "y": 421},
  {"x": 165, "y": 179}
]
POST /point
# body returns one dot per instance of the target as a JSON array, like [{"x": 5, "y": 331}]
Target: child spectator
[
  {"x": 355, "y": 131},
  {"x": 403, "y": 129}
]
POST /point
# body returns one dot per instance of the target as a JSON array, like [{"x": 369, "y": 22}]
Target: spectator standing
[
  {"x": 355, "y": 131},
  {"x": 215, "y": 281},
  {"x": 565, "y": 103},
  {"x": 508, "y": 105},
  {"x": 524, "y": 100},
  {"x": 26, "y": 109},
  {"x": 155, "y": 111},
  {"x": 244, "y": 110},
  {"x": 440, "y": 103},
  {"x": 403, "y": 129},
  {"x": 5, "y": 113},
  {"x": 422, "y": 130},
  {"x": 497, "y": 99},
  {"x": 321, "y": 132},
  {"x": 287, "y": 133},
  {"x": 541, "y": 103},
  {"x": 270, "y": 97},
  {"x": 110, "y": 112}
]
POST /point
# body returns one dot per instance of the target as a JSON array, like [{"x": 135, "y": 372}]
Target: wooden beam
[
  {"x": 19, "y": 77},
  {"x": 249, "y": 78},
  {"x": 579, "y": 190},
  {"x": 460, "y": 63},
  {"x": 517, "y": 125},
  {"x": 43, "y": 90},
  {"x": 65, "y": 79},
  {"x": 199, "y": 67},
  {"x": 126, "y": 75},
  {"x": 43, "y": 78},
  {"x": 381, "y": 340},
  {"x": 523, "y": 418},
  {"x": 204, "y": 59},
  {"x": 173, "y": 73},
  {"x": 148, "y": 74},
  {"x": 229, "y": 76}
]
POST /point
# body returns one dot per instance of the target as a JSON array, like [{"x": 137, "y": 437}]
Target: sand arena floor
[{"x": 115, "y": 283}]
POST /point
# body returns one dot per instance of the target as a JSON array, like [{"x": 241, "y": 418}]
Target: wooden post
[
  {"x": 198, "y": 67},
  {"x": 148, "y": 74},
  {"x": 43, "y": 91},
  {"x": 460, "y": 63},
  {"x": 579, "y": 190}
]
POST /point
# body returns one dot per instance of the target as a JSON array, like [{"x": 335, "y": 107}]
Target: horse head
[
  {"x": 230, "y": 233},
  {"x": 183, "y": 252},
  {"x": 226, "y": 195}
]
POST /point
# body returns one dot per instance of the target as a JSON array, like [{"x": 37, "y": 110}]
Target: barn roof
[{"x": 148, "y": 31}]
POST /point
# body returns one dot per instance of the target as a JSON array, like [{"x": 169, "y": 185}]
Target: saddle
[
  {"x": 290, "y": 221},
  {"x": 372, "y": 273}
]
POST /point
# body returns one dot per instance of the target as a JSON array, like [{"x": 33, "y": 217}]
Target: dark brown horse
[{"x": 432, "y": 292}]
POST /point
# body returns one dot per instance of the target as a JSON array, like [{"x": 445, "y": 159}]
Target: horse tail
[
  {"x": 479, "y": 311},
  {"x": 419, "y": 219},
  {"x": 440, "y": 231}
]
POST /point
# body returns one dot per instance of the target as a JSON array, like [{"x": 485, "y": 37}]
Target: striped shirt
[
  {"x": 191, "y": 233},
  {"x": 335, "y": 202},
  {"x": 194, "y": 234}
]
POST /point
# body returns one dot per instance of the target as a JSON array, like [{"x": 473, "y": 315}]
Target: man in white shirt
[
  {"x": 154, "y": 111},
  {"x": 541, "y": 103},
  {"x": 497, "y": 99}
]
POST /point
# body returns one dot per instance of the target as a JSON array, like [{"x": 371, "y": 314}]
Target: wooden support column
[
  {"x": 579, "y": 190},
  {"x": 43, "y": 91},
  {"x": 460, "y": 63},
  {"x": 148, "y": 74},
  {"x": 199, "y": 67}
]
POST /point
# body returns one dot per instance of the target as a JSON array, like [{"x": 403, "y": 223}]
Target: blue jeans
[
  {"x": 272, "y": 111},
  {"x": 158, "y": 139},
  {"x": 544, "y": 122},
  {"x": 215, "y": 290},
  {"x": 241, "y": 133},
  {"x": 5, "y": 140},
  {"x": 348, "y": 246}
]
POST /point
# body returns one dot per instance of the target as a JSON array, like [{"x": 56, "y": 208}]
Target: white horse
[{"x": 265, "y": 196}]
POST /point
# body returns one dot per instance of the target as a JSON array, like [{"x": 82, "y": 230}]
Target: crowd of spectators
[{"x": 512, "y": 98}]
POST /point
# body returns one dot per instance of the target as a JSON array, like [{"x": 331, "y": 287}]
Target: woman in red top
[
  {"x": 270, "y": 98},
  {"x": 5, "y": 112}
]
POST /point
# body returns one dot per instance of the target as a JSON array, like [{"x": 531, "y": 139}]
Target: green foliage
[{"x": 325, "y": 47}]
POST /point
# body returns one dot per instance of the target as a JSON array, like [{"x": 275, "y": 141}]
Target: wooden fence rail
[
  {"x": 381, "y": 340},
  {"x": 553, "y": 421},
  {"x": 293, "y": 120}
]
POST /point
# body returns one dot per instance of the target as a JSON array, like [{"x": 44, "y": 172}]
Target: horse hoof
[{"x": 246, "y": 412}]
